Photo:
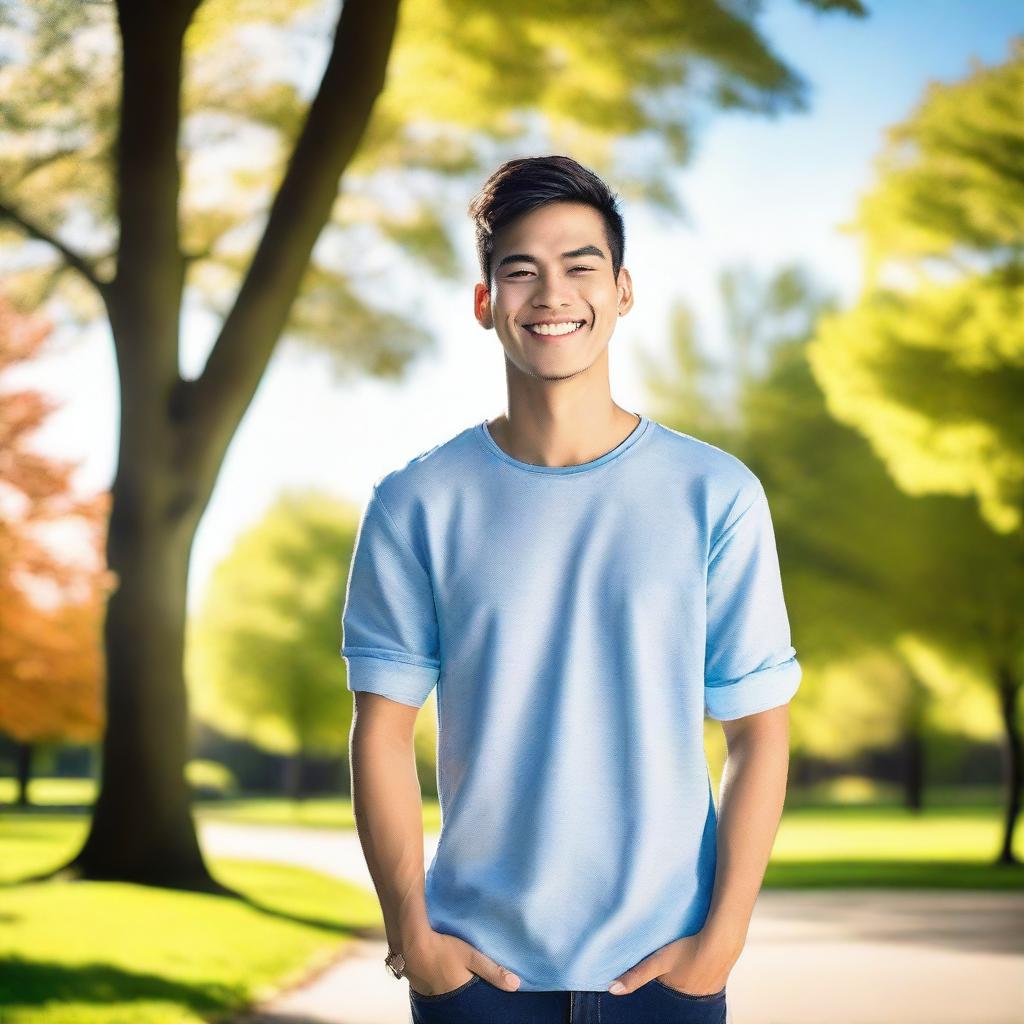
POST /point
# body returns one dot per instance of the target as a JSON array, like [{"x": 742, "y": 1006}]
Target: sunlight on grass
[
  {"x": 51, "y": 791},
  {"x": 107, "y": 953},
  {"x": 893, "y": 834}
]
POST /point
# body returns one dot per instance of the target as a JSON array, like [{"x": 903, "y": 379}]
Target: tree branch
[
  {"x": 72, "y": 258},
  {"x": 334, "y": 126}
]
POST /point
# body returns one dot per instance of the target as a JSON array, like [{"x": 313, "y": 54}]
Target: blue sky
[{"x": 759, "y": 191}]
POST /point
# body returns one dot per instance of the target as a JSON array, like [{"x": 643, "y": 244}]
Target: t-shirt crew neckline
[{"x": 484, "y": 434}]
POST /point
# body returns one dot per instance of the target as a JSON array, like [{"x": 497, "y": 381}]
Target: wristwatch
[{"x": 395, "y": 962}]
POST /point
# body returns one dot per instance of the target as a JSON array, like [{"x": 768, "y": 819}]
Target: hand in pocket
[{"x": 442, "y": 963}]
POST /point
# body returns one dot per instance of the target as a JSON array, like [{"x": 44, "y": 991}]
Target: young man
[{"x": 582, "y": 585}]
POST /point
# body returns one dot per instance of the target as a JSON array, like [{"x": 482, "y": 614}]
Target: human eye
[
  {"x": 514, "y": 273},
  {"x": 582, "y": 268}
]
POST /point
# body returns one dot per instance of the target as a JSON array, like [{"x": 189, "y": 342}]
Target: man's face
[{"x": 552, "y": 266}]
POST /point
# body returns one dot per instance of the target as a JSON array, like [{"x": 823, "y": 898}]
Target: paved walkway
[{"x": 863, "y": 957}]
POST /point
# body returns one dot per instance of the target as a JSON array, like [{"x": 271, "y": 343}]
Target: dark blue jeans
[{"x": 480, "y": 1002}]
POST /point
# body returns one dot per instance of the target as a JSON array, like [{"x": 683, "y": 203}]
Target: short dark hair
[{"x": 524, "y": 184}]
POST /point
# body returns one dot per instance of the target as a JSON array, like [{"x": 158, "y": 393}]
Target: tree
[
  {"x": 864, "y": 587},
  {"x": 929, "y": 363},
  {"x": 465, "y": 78},
  {"x": 50, "y": 601},
  {"x": 262, "y": 652}
]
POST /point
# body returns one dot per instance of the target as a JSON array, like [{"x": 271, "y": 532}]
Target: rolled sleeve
[
  {"x": 389, "y": 621},
  {"x": 750, "y": 664}
]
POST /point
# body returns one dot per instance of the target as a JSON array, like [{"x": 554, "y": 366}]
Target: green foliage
[
  {"x": 929, "y": 364},
  {"x": 210, "y": 778},
  {"x": 262, "y": 660},
  {"x": 929, "y": 367},
  {"x": 467, "y": 85},
  {"x": 889, "y": 594},
  {"x": 934, "y": 379}
]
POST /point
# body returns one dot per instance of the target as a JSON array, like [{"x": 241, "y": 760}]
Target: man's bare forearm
[
  {"x": 752, "y": 796},
  {"x": 388, "y": 810}
]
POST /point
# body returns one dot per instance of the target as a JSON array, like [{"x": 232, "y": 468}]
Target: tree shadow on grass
[
  {"x": 888, "y": 874},
  {"x": 25, "y": 983},
  {"x": 33, "y": 983},
  {"x": 67, "y": 876}
]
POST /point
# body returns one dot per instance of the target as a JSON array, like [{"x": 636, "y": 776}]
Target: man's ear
[
  {"x": 482, "y": 305},
  {"x": 625, "y": 290}
]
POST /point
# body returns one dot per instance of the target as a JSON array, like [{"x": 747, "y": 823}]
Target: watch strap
[{"x": 395, "y": 962}]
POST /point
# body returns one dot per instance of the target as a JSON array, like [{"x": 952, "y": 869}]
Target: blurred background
[{"x": 237, "y": 278}]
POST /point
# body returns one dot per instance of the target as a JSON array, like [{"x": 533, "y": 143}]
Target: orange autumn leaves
[{"x": 53, "y": 577}]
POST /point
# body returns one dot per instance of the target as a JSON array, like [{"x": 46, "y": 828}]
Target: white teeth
[{"x": 555, "y": 328}]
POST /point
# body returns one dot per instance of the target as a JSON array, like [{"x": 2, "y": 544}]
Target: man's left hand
[{"x": 690, "y": 964}]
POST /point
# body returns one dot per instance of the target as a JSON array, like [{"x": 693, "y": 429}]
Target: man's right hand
[{"x": 440, "y": 963}]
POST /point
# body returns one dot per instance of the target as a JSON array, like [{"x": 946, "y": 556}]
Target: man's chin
[{"x": 554, "y": 375}]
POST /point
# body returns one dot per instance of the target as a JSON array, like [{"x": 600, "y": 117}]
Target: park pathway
[{"x": 812, "y": 956}]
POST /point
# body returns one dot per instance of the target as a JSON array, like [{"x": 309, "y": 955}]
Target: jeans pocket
[
  {"x": 419, "y": 996},
  {"x": 707, "y": 997}
]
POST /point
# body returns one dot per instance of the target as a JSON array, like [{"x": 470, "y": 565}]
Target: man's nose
[{"x": 552, "y": 294}]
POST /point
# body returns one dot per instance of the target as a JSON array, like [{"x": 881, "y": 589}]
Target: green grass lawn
[
  {"x": 315, "y": 812},
  {"x": 950, "y": 844},
  {"x": 112, "y": 953},
  {"x": 948, "y": 847}
]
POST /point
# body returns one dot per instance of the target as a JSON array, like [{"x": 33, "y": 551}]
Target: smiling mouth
[{"x": 566, "y": 330}]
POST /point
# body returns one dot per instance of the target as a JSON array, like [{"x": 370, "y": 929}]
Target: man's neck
[{"x": 542, "y": 441}]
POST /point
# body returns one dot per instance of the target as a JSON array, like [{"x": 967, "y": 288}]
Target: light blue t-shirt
[{"x": 578, "y": 622}]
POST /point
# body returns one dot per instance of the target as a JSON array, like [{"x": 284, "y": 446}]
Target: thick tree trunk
[
  {"x": 24, "y": 769},
  {"x": 1012, "y": 770},
  {"x": 142, "y": 828},
  {"x": 175, "y": 433}
]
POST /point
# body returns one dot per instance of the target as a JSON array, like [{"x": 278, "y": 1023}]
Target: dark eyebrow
[{"x": 521, "y": 257}]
